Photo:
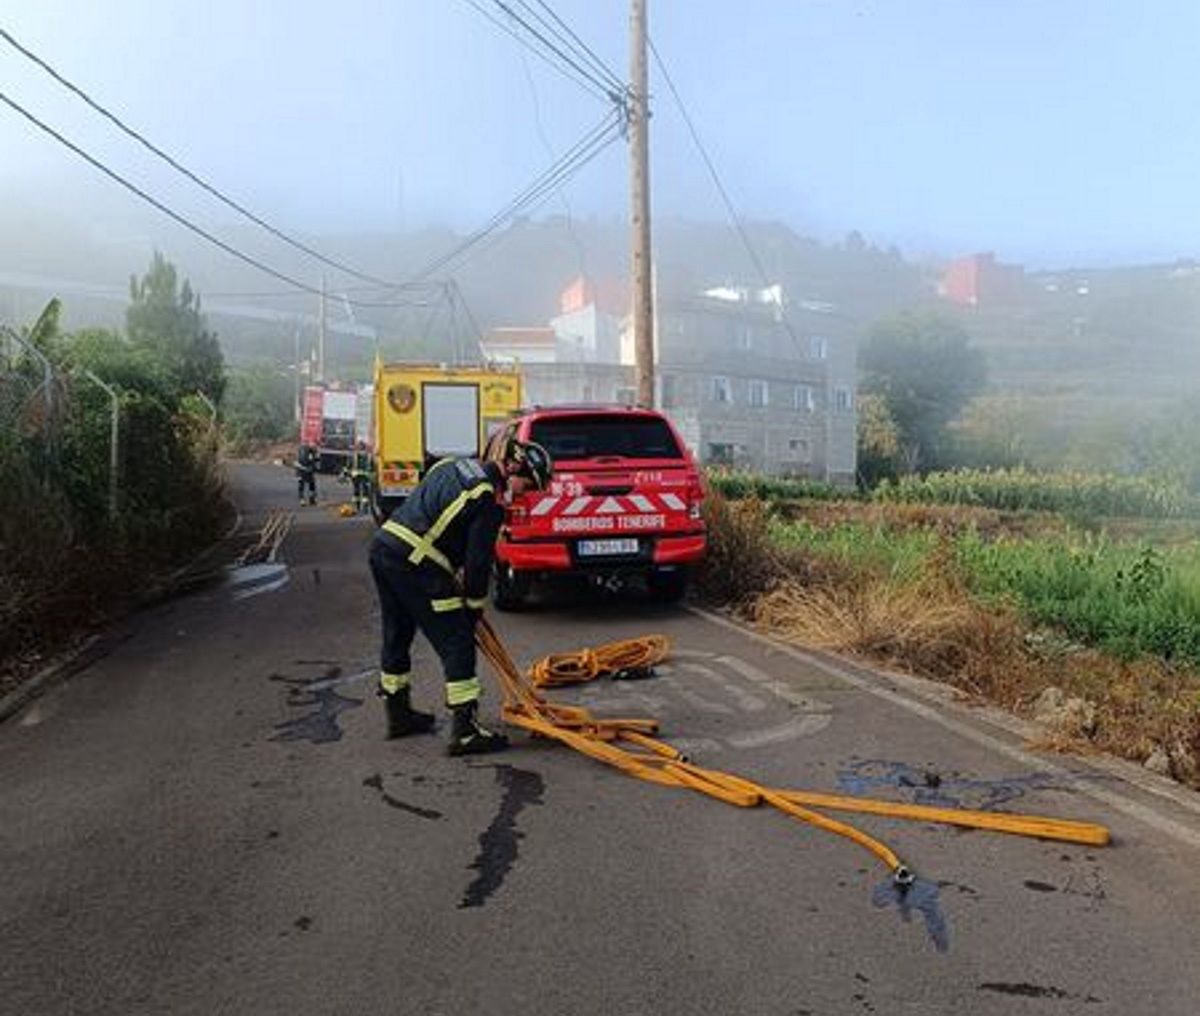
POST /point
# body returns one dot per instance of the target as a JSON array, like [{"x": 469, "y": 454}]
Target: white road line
[
  {"x": 1119, "y": 802},
  {"x": 782, "y": 689},
  {"x": 705, "y": 705},
  {"x": 747, "y": 701},
  {"x": 803, "y": 726}
]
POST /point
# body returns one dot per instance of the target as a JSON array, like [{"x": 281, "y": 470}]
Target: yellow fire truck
[{"x": 426, "y": 412}]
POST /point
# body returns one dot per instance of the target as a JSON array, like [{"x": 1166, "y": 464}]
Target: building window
[
  {"x": 745, "y": 336},
  {"x": 667, "y": 399},
  {"x": 722, "y": 391},
  {"x": 799, "y": 449},
  {"x": 843, "y": 399},
  {"x": 758, "y": 394},
  {"x": 802, "y": 399},
  {"x": 626, "y": 396},
  {"x": 818, "y": 347},
  {"x": 721, "y": 454}
]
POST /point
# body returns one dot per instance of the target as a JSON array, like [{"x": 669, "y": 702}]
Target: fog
[{"x": 1058, "y": 136}]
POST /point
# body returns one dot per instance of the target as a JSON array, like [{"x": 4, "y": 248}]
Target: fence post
[
  {"x": 114, "y": 441},
  {"x": 47, "y": 388}
]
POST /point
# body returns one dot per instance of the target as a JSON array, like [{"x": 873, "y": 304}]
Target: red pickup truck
[{"x": 623, "y": 504}]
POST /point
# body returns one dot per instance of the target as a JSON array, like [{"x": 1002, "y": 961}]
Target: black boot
[
  {"x": 402, "y": 718},
  {"x": 467, "y": 737}
]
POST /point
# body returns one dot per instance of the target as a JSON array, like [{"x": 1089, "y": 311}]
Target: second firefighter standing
[{"x": 432, "y": 562}]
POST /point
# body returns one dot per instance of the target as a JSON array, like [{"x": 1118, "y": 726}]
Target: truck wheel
[
  {"x": 669, "y": 587},
  {"x": 510, "y": 589}
]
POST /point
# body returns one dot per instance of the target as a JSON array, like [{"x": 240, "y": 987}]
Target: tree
[
  {"x": 259, "y": 406},
  {"x": 164, "y": 319},
  {"x": 878, "y": 441},
  {"x": 925, "y": 369}
]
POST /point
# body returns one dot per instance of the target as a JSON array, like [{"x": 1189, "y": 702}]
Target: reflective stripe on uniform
[
  {"x": 459, "y": 693},
  {"x": 449, "y": 603},
  {"x": 425, "y": 547},
  {"x": 474, "y": 603},
  {"x": 416, "y": 542},
  {"x": 392, "y": 683}
]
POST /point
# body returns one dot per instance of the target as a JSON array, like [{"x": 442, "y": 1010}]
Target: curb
[{"x": 937, "y": 702}]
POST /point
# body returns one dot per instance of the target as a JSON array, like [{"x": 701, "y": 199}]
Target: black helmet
[{"x": 534, "y": 461}]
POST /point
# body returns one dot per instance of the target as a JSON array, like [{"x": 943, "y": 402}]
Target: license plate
[{"x": 602, "y": 548}]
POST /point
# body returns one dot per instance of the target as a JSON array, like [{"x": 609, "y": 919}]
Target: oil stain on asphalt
[
  {"x": 864, "y": 776},
  {"x": 320, "y": 725},
  {"x": 376, "y": 783},
  {"x": 498, "y": 844}
]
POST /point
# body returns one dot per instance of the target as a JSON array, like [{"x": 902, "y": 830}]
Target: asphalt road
[{"x": 208, "y": 820}]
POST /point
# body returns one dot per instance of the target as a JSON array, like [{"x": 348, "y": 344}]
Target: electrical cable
[
  {"x": 614, "y": 96},
  {"x": 735, "y": 219},
  {"x": 567, "y": 165},
  {"x": 588, "y": 84},
  {"x": 569, "y": 38},
  {"x": 193, "y": 177}
]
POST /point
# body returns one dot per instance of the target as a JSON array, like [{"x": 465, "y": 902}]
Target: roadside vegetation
[
  {"x": 1096, "y": 636},
  {"x": 69, "y": 553}
]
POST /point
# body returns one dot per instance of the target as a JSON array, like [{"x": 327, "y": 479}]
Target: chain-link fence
[{"x": 101, "y": 482}]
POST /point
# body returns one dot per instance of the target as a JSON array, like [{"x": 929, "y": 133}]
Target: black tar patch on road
[{"x": 498, "y": 844}]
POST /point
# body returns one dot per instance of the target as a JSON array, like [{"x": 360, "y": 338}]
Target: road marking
[
  {"x": 694, "y": 699},
  {"x": 802, "y": 726},
  {"x": 747, "y": 701},
  {"x": 1120, "y": 802}
]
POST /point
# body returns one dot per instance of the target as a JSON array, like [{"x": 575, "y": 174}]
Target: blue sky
[{"x": 1052, "y": 132}]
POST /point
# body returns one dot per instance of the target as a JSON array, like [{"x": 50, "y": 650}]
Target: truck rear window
[{"x": 589, "y": 437}]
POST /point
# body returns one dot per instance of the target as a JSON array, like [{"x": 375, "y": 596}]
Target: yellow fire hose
[{"x": 627, "y": 745}]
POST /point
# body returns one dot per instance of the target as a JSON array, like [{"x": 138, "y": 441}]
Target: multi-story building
[{"x": 750, "y": 380}]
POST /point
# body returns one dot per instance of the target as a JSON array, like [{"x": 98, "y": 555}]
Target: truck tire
[
  {"x": 510, "y": 589},
  {"x": 669, "y": 586}
]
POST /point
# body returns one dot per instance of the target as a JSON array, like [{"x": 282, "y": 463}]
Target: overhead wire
[
  {"x": 195, "y": 178},
  {"x": 731, "y": 210},
  {"x": 569, "y": 38},
  {"x": 587, "y": 82},
  {"x": 181, "y": 219},
  {"x": 570, "y": 163}
]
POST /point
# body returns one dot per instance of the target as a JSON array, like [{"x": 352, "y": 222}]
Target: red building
[{"x": 980, "y": 279}]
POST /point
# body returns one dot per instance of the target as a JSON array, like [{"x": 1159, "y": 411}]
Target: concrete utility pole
[
  {"x": 639, "y": 151},
  {"x": 321, "y": 335}
]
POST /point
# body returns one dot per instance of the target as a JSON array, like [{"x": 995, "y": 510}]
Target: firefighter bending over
[{"x": 447, "y": 525}]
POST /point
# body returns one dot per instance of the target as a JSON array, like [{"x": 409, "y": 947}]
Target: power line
[
  {"x": 586, "y": 149},
  {"x": 170, "y": 212},
  {"x": 716, "y": 179},
  {"x": 586, "y": 82},
  {"x": 570, "y": 60},
  {"x": 180, "y": 168},
  {"x": 569, "y": 38}
]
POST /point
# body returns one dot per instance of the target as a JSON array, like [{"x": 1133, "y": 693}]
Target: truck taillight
[{"x": 695, "y": 497}]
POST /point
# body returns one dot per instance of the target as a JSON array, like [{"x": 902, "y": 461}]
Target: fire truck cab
[{"x": 623, "y": 504}]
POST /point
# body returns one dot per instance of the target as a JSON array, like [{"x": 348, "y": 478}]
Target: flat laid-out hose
[{"x": 629, "y": 745}]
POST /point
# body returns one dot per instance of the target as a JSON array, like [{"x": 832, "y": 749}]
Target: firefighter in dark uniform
[
  {"x": 446, "y": 527},
  {"x": 306, "y": 469},
  {"x": 359, "y": 471}
]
